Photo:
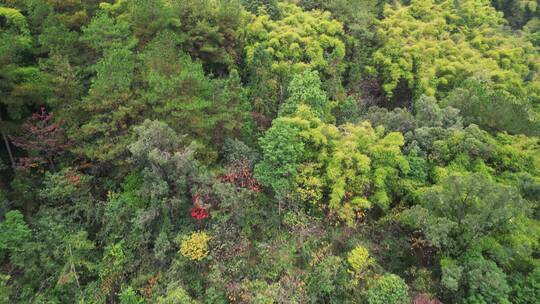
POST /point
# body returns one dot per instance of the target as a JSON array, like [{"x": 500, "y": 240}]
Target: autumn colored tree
[{"x": 44, "y": 140}]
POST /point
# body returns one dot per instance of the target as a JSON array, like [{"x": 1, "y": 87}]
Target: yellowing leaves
[
  {"x": 195, "y": 246},
  {"x": 359, "y": 259}
]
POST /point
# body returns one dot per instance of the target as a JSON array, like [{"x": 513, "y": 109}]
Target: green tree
[
  {"x": 145, "y": 17},
  {"x": 265, "y": 91},
  {"x": 359, "y": 22},
  {"x": 104, "y": 32},
  {"x": 398, "y": 119},
  {"x": 213, "y": 32},
  {"x": 305, "y": 89},
  {"x": 362, "y": 169},
  {"x": 420, "y": 54},
  {"x": 110, "y": 108},
  {"x": 14, "y": 233},
  {"x": 493, "y": 109},
  {"x": 471, "y": 149},
  {"x": 457, "y": 214},
  {"x": 327, "y": 281},
  {"x": 22, "y": 85},
  {"x": 518, "y": 12},
  {"x": 66, "y": 88},
  {"x": 257, "y": 7},
  {"x": 57, "y": 37},
  {"x": 526, "y": 289},
  {"x": 486, "y": 283},
  {"x": 359, "y": 259},
  {"x": 175, "y": 294},
  {"x": 58, "y": 259},
  {"x": 357, "y": 166},
  {"x": 178, "y": 90},
  {"x": 5, "y": 289},
  {"x": 282, "y": 151},
  {"x": 428, "y": 113},
  {"x": 155, "y": 203},
  {"x": 389, "y": 289},
  {"x": 298, "y": 41},
  {"x": 129, "y": 296}
]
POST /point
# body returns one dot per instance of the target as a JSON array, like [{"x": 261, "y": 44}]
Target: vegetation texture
[{"x": 270, "y": 151}]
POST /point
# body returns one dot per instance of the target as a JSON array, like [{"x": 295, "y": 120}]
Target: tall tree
[
  {"x": 179, "y": 91},
  {"x": 110, "y": 108},
  {"x": 22, "y": 85},
  {"x": 419, "y": 54},
  {"x": 298, "y": 41},
  {"x": 213, "y": 32},
  {"x": 43, "y": 139}
]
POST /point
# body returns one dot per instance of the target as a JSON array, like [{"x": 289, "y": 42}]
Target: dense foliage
[{"x": 270, "y": 151}]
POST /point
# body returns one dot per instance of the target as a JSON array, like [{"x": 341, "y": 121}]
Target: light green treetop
[
  {"x": 300, "y": 40},
  {"x": 432, "y": 46}
]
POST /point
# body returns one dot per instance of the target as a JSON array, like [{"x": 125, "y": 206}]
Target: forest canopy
[{"x": 270, "y": 151}]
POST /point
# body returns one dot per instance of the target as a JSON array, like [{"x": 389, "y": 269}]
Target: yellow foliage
[
  {"x": 195, "y": 246},
  {"x": 359, "y": 259},
  {"x": 310, "y": 186}
]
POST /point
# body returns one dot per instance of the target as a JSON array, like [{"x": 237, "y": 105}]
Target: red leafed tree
[
  {"x": 425, "y": 299},
  {"x": 198, "y": 213},
  {"x": 239, "y": 173},
  {"x": 202, "y": 201},
  {"x": 43, "y": 139}
]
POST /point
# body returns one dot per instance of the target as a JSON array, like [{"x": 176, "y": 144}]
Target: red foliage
[
  {"x": 151, "y": 285},
  {"x": 425, "y": 299},
  {"x": 74, "y": 179},
  {"x": 199, "y": 213},
  {"x": 42, "y": 136},
  {"x": 203, "y": 201},
  {"x": 239, "y": 173}
]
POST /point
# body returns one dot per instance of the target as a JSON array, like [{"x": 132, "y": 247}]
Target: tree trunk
[{"x": 6, "y": 142}]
